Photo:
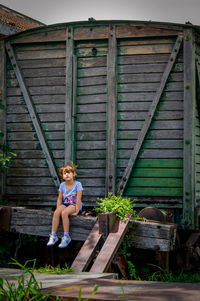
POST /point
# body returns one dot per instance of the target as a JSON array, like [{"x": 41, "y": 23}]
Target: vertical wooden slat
[
  {"x": 111, "y": 113},
  {"x": 189, "y": 129},
  {"x": 69, "y": 137},
  {"x": 74, "y": 72},
  {"x": 2, "y": 112},
  {"x": 149, "y": 118},
  {"x": 34, "y": 116}
]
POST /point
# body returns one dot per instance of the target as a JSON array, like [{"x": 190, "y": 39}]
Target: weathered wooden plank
[
  {"x": 89, "y": 62},
  {"x": 111, "y": 153},
  {"x": 28, "y": 172},
  {"x": 2, "y": 111},
  {"x": 153, "y": 134},
  {"x": 90, "y": 32},
  {"x": 87, "y": 136},
  {"x": 93, "y": 127},
  {"x": 189, "y": 118},
  {"x": 95, "y": 80},
  {"x": 28, "y": 127},
  {"x": 42, "y": 81},
  {"x": 39, "y": 46},
  {"x": 31, "y": 136},
  {"x": 148, "y": 68},
  {"x": 145, "y": 49},
  {"x": 45, "y": 36},
  {"x": 37, "y": 72},
  {"x": 98, "y": 98},
  {"x": 166, "y": 96},
  {"x": 39, "y": 99},
  {"x": 91, "y": 117},
  {"x": 161, "y": 124},
  {"x": 152, "y": 153},
  {"x": 159, "y": 115},
  {"x": 42, "y": 63},
  {"x": 145, "y": 58},
  {"x": 91, "y": 145},
  {"x": 87, "y": 72},
  {"x": 151, "y": 144},
  {"x": 87, "y": 251},
  {"x": 41, "y": 90},
  {"x": 91, "y": 108},
  {"x": 41, "y": 54},
  {"x": 144, "y": 30},
  {"x": 38, "y": 222},
  {"x": 110, "y": 246},
  {"x": 96, "y": 89},
  {"x": 155, "y": 40},
  {"x": 87, "y": 52},
  {"x": 147, "y": 77},
  {"x": 144, "y": 106},
  {"x": 130, "y": 87}
]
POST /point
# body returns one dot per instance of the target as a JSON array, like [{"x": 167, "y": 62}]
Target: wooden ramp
[
  {"x": 110, "y": 243},
  {"x": 87, "y": 251}
]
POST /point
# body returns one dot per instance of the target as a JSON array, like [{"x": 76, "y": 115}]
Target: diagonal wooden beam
[
  {"x": 111, "y": 112},
  {"x": 150, "y": 115},
  {"x": 33, "y": 114}
]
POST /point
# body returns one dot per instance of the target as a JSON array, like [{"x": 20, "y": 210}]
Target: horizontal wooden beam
[{"x": 146, "y": 234}]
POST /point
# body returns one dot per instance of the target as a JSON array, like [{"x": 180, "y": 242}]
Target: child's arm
[
  {"x": 59, "y": 200},
  {"x": 78, "y": 200}
]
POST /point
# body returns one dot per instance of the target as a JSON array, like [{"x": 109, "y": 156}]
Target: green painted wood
[
  {"x": 149, "y": 117},
  {"x": 189, "y": 141},
  {"x": 34, "y": 117},
  {"x": 111, "y": 154},
  {"x": 2, "y": 112},
  {"x": 156, "y": 173},
  {"x": 155, "y": 182},
  {"x": 154, "y": 191}
]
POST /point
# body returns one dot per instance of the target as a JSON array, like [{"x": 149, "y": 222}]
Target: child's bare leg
[
  {"x": 65, "y": 216},
  {"x": 56, "y": 218}
]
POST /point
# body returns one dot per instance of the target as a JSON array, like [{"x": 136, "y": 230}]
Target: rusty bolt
[
  {"x": 1, "y": 91},
  {"x": 110, "y": 176},
  {"x": 187, "y": 86},
  {"x": 124, "y": 179}
]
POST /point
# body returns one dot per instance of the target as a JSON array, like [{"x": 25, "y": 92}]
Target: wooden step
[
  {"x": 87, "y": 251},
  {"x": 111, "y": 245}
]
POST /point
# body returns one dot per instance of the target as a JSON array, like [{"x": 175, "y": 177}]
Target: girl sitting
[{"x": 68, "y": 203}]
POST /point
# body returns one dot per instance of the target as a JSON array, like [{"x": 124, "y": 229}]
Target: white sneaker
[
  {"x": 64, "y": 242},
  {"x": 52, "y": 240}
]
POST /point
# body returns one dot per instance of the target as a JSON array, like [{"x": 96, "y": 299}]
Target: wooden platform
[
  {"x": 113, "y": 290},
  {"x": 109, "y": 288}
]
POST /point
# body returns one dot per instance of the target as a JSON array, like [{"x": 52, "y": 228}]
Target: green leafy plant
[
  {"x": 115, "y": 203},
  {"x": 24, "y": 289}
]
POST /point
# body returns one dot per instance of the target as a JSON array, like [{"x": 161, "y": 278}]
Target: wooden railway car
[{"x": 119, "y": 98}]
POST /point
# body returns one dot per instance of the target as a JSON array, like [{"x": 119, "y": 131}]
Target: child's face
[{"x": 68, "y": 174}]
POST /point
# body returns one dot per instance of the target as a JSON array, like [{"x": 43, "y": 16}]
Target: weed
[
  {"x": 54, "y": 270},
  {"x": 24, "y": 289}
]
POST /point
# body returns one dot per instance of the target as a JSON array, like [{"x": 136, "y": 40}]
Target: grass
[
  {"x": 54, "y": 270},
  {"x": 24, "y": 288}
]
